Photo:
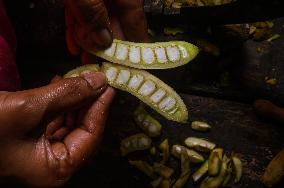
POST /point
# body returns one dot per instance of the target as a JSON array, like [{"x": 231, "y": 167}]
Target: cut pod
[
  {"x": 194, "y": 157},
  {"x": 160, "y": 55},
  {"x": 146, "y": 87},
  {"x": 135, "y": 142}
]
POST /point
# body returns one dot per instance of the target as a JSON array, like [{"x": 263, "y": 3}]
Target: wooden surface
[{"x": 42, "y": 54}]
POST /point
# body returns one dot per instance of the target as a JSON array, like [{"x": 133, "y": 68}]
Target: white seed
[
  {"x": 121, "y": 52},
  {"x": 158, "y": 95},
  {"x": 147, "y": 88},
  {"x": 178, "y": 149},
  {"x": 173, "y": 53},
  {"x": 161, "y": 55},
  {"x": 168, "y": 103},
  {"x": 111, "y": 50},
  {"x": 135, "y": 81},
  {"x": 183, "y": 50},
  {"x": 134, "y": 54},
  {"x": 123, "y": 77},
  {"x": 111, "y": 74},
  {"x": 148, "y": 55}
]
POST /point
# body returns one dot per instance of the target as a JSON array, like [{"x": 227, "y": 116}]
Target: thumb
[
  {"x": 32, "y": 107},
  {"x": 91, "y": 16}
]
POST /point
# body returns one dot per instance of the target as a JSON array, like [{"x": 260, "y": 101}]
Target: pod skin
[
  {"x": 146, "y": 122},
  {"x": 200, "y": 126},
  {"x": 194, "y": 157},
  {"x": 215, "y": 161},
  {"x": 164, "y": 147},
  {"x": 201, "y": 172},
  {"x": 163, "y": 170},
  {"x": 238, "y": 168},
  {"x": 199, "y": 144},
  {"x": 135, "y": 143},
  {"x": 149, "y": 89},
  {"x": 185, "y": 170},
  {"x": 160, "y": 55}
]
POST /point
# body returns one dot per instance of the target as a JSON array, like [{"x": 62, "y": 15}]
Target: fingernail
[
  {"x": 96, "y": 80},
  {"x": 102, "y": 38}
]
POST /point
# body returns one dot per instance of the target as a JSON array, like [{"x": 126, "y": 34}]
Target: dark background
[{"x": 218, "y": 90}]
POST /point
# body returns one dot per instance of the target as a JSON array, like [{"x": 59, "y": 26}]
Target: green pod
[
  {"x": 199, "y": 144},
  {"x": 238, "y": 168},
  {"x": 215, "y": 182},
  {"x": 215, "y": 161},
  {"x": 185, "y": 170},
  {"x": 163, "y": 170},
  {"x": 83, "y": 69},
  {"x": 194, "y": 157},
  {"x": 200, "y": 126},
  {"x": 228, "y": 176},
  {"x": 135, "y": 142},
  {"x": 160, "y": 55},
  {"x": 164, "y": 147},
  {"x": 148, "y": 89},
  {"x": 144, "y": 167},
  {"x": 201, "y": 172},
  {"x": 146, "y": 122}
]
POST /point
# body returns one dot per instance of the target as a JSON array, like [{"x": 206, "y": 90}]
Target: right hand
[{"x": 92, "y": 24}]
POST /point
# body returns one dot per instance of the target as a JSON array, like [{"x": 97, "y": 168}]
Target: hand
[
  {"x": 93, "y": 23},
  {"x": 47, "y": 133}
]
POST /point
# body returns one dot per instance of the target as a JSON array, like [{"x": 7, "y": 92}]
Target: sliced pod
[
  {"x": 194, "y": 157},
  {"x": 148, "y": 89},
  {"x": 135, "y": 142},
  {"x": 146, "y": 122},
  {"x": 82, "y": 69},
  {"x": 199, "y": 144},
  {"x": 160, "y": 55},
  {"x": 144, "y": 167},
  {"x": 201, "y": 172}
]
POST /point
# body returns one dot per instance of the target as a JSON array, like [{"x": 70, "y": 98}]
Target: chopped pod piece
[
  {"x": 144, "y": 167},
  {"x": 163, "y": 170},
  {"x": 164, "y": 147},
  {"x": 229, "y": 174},
  {"x": 199, "y": 144},
  {"x": 237, "y": 167},
  {"x": 215, "y": 161},
  {"x": 215, "y": 182},
  {"x": 200, "y": 126},
  {"x": 201, "y": 172},
  {"x": 194, "y": 157},
  {"x": 135, "y": 143},
  {"x": 165, "y": 183},
  {"x": 146, "y": 122},
  {"x": 153, "y": 151},
  {"x": 185, "y": 170},
  {"x": 148, "y": 89},
  {"x": 83, "y": 69},
  {"x": 145, "y": 56}
]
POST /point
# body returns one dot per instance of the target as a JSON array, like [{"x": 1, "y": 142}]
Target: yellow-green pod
[
  {"x": 160, "y": 55},
  {"x": 135, "y": 142},
  {"x": 199, "y": 144},
  {"x": 185, "y": 170},
  {"x": 149, "y": 89},
  {"x": 156, "y": 182},
  {"x": 164, "y": 147},
  {"x": 194, "y": 157},
  {"x": 201, "y": 172},
  {"x": 163, "y": 170},
  {"x": 215, "y": 161},
  {"x": 237, "y": 167},
  {"x": 146, "y": 122},
  {"x": 215, "y": 182}
]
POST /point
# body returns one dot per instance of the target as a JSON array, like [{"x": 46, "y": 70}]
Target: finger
[
  {"x": 133, "y": 20},
  {"x": 53, "y": 100},
  {"x": 53, "y": 126},
  {"x": 73, "y": 48},
  {"x": 116, "y": 28},
  {"x": 92, "y": 16},
  {"x": 81, "y": 142}
]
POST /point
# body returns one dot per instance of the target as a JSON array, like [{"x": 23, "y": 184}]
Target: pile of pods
[
  {"x": 127, "y": 58},
  {"x": 218, "y": 170}
]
